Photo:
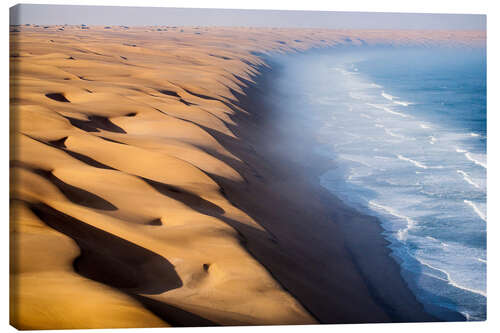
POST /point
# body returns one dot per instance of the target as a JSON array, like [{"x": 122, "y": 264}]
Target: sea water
[{"x": 406, "y": 129}]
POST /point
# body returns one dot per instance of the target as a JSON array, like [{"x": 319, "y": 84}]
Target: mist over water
[{"x": 406, "y": 129}]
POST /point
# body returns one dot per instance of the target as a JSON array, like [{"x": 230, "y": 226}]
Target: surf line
[
  {"x": 393, "y": 99},
  {"x": 467, "y": 178},
  {"x": 386, "y": 109},
  {"x": 476, "y": 210}
]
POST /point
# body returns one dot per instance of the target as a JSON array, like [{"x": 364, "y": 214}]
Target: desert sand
[{"x": 138, "y": 198}]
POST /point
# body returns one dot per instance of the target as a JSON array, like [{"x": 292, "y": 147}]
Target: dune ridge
[{"x": 118, "y": 216}]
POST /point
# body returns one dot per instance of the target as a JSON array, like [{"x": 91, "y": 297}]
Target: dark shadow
[
  {"x": 189, "y": 199},
  {"x": 186, "y": 102},
  {"x": 87, "y": 160},
  {"x": 201, "y": 95},
  {"x": 58, "y": 97},
  {"x": 111, "y": 140},
  {"x": 169, "y": 93},
  {"x": 173, "y": 315},
  {"x": 74, "y": 194},
  {"x": 220, "y": 57},
  {"x": 109, "y": 259},
  {"x": 155, "y": 222},
  {"x": 95, "y": 123},
  {"x": 60, "y": 143}
]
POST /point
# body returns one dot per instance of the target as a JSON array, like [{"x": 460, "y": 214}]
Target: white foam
[
  {"x": 417, "y": 164},
  {"x": 450, "y": 280},
  {"x": 467, "y": 178},
  {"x": 476, "y": 210},
  {"x": 402, "y": 103},
  {"x": 386, "y": 109},
  {"x": 393, "y": 99},
  {"x": 387, "y": 96},
  {"x": 434, "y": 144},
  {"x": 475, "y": 160},
  {"x": 402, "y": 234},
  {"x": 442, "y": 244}
]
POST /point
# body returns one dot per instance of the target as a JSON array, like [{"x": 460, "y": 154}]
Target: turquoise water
[{"x": 406, "y": 130}]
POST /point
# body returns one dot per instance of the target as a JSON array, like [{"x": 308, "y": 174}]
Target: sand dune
[{"x": 118, "y": 220}]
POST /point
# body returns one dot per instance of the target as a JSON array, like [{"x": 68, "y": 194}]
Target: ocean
[{"x": 405, "y": 129}]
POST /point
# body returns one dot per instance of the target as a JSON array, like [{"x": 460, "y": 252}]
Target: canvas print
[{"x": 219, "y": 167}]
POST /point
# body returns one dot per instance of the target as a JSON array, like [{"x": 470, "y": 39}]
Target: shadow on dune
[
  {"x": 121, "y": 264},
  {"x": 189, "y": 199},
  {"x": 114, "y": 261},
  {"x": 74, "y": 194},
  {"x": 169, "y": 93},
  {"x": 87, "y": 160},
  {"x": 95, "y": 124},
  {"x": 61, "y": 144},
  {"x": 111, "y": 140},
  {"x": 110, "y": 259},
  {"x": 210, "y": 98},
  {"x": 220, "y": 57},
  {"x": 57, "y": 97},
  {"x": 173, "y": 315},
  {"x": 84, "y": 198},
  {"x": 186, "y": 102}
]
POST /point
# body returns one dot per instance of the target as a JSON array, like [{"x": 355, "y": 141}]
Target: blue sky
[{"x": 140, "y": 16}]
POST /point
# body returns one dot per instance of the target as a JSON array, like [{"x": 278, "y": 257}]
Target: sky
[{"x": 141, "y": 16}]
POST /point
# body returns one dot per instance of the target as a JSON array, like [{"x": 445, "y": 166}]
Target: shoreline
[{"x": 387, "y": 297}]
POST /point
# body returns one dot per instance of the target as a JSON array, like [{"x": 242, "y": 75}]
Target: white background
[{"x": 422, "y": 6}]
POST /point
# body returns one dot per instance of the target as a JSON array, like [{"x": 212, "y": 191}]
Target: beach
[{"x": 150, "y": 187}]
